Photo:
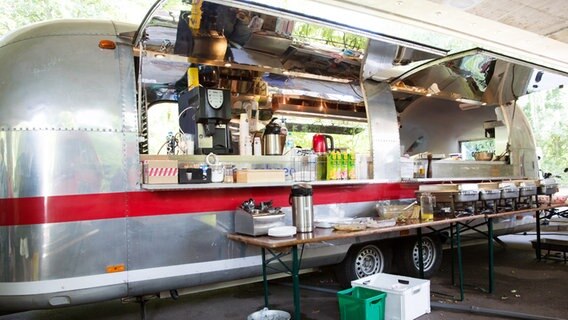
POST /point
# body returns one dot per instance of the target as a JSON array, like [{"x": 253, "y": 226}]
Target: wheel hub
[
  {"x": 428, "y": 254},
  {"x": 369, "y": 261}
]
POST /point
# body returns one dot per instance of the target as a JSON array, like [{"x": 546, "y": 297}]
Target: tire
[
  {"x": 362, "y": 261},
  {"x": 408, "y": 256}
]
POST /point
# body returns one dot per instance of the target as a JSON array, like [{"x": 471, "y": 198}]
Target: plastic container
[
  {"x": 361, "y": 303},
  {"x": 407, "y": 298}
]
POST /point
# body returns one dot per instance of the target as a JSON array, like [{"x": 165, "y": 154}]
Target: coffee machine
[{"x": 205, "y": 113}]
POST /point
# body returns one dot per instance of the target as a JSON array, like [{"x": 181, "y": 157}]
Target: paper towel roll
[{"x": 243, "y": 133}]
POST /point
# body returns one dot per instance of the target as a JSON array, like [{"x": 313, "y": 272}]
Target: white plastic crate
[{"x": 407, "y": 298}]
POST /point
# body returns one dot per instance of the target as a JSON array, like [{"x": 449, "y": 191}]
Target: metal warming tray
[
  {"x": 257, "y": 224},
  {"x": 489, "y": 194},
  {"x": 509, "y": 192},
  {"x": 547, "y": 189},
  {"x": 527, "y": 191},
  {"x": 466, "y": 196}
]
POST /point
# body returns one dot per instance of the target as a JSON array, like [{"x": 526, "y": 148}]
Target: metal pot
[{"x": 482, "y": 156}]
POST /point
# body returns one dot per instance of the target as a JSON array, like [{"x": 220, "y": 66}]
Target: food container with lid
[
  {"x": 489, "y": 194},
  {"x": 509, "y": 192},
  {"x": 466, "y": 196}
]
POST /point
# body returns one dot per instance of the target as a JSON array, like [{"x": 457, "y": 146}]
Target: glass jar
[
  {"x": 427, "y": 204},
  {"x": 229, "y": 174}
]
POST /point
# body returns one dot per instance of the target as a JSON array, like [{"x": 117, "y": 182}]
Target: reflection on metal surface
[
  {"x": 381, "y": 113},
  {"x": 63, "y": 250},
  {"x": 474, "y": 77}
]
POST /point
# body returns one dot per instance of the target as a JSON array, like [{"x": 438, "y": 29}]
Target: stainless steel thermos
[
  {"x": 272, "y": 145},
  {"x": 302, "y": 207}
]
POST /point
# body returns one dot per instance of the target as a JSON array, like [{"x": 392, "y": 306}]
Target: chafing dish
[
  {"x": 509, "y": 192},
  {"x": 548, "y": 189},
  {"x": 489, "y": 194},
  {"x": 257, "y": 224},
  {"x": 527, "y": 191},
  {"x": 548, "y": 186},
  {"x": 466, "y": 196}
]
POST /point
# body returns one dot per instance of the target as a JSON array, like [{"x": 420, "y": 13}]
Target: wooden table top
[{"x": 320, "y": 234}]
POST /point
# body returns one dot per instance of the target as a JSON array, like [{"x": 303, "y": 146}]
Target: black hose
[{"x": 488, "y": 311}]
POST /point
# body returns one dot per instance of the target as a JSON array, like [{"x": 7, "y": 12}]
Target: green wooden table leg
[
  {"x": 264, "y": 279},
  {"x": 296, "y": 282},
  {"x": 491, "y": 262},
  {"x": 538, "y": 257},
  {"x": 460, "y": 266},
  {"x": 452, "y": 254}
]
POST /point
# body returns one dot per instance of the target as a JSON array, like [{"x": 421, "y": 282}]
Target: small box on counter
[
  {"x": 260, "y": 175},
  {"x": 160, "y": 171}
]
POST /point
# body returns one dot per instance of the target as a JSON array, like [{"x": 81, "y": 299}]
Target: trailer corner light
[
  {"x": 115, "y": 268},
  {"x": 107, "y": 44}
]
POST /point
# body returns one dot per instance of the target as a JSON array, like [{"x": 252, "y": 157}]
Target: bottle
[
  {"x": 429, "y": 167},
  {"x": 427, "y": 203},
  {"x": 257, "y": 146},
  {"x": 289, "y": 145},
  {"x": 321, "y": 167},
  {"x": 351, "y": 174},
  {"x": 343, "y": 165},
  {"x": 331, "y": 166}
]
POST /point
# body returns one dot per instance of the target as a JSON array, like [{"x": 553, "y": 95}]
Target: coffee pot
[{"x": 272, "y": 145}]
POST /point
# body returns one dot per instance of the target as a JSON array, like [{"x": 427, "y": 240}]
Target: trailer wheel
[
  {"x": 363, "y": 261},
  {"x": 408, "y": 261}
]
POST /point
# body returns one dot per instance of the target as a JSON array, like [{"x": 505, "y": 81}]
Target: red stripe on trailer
[{"x": 69, "y": 208}]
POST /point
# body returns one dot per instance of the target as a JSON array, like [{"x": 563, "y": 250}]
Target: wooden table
[{"x": 278, "y": 246}]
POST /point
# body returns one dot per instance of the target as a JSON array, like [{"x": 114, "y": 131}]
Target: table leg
[
  {"x": 420, "y": 253},
  {"x": 296, "y": 282},
  {"x": 490, "y": 244},
  {"x": 460, "y": 266},
  {"x": 452, "y": 253},
  {"x": 264, "y": 279},
  {"x": 538, "y": 257}
]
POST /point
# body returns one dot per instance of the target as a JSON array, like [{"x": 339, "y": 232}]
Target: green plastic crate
[{"x": 360, "y": 303}]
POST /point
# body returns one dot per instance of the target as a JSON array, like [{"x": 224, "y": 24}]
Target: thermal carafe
[
  {"x": 271, "y": 139},
  {"x": 302, "y": 207}
]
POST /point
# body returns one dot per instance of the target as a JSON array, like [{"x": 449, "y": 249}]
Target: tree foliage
[
  {"x": 329, "y": 36},
  {"x": 546, "y": 112},
  {"x": 18, "y": 13}
]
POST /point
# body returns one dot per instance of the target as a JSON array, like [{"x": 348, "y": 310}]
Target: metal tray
[
  {"x": 527, "y": 191},
  {"x": 466, "y": 196},
  {"x": 490, "y": 194},
  {"x": 548, "y": 189},
  {"x": 508, "y": 193}
]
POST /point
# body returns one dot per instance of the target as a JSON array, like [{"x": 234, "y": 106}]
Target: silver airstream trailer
[{"x": 77, "y": 223}]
